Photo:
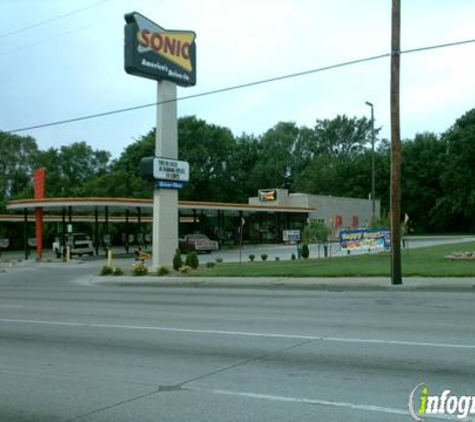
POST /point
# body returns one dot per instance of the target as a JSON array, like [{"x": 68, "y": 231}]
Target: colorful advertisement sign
[
  {"x": 363, "y": 239},
  {"x": 156, "y": 53},
  {"x": 267, "y": 195}
]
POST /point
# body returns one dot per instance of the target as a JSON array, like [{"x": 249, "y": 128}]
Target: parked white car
[{"x": 79, "y": 243}]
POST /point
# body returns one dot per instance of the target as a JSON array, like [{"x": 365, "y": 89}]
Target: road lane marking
[
  {"x": 302, "y": 400},
  {"x": 239, "y": 333}
]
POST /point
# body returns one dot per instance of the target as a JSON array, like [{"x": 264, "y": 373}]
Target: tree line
[{"x": 331, "y": 158}]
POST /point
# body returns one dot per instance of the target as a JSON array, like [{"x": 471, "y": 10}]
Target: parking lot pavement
[{"x": 233, "y": 254}]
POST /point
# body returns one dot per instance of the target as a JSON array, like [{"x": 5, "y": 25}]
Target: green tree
[
  {"x": 421, "y": 183},
  {"x": 454, "y": 208},
  {"x": 71, "y": 168},
  {"x": 17, "y": 163},
  {"x": 243, "y": 160},
  {"x": 276, "y": 160},
  {"x": 337, "y": 158},
  {"x": 342, "y": 137},
  {"x": 208, "y": 148},
  {"x": 316, "y": 232},
  {"x": 124, "y": 179}
]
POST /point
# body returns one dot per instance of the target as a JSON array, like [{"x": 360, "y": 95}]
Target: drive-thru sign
[
  {"x": 161, "y": 168},
  {"x": 169, "y": 57},
  {"x": 174, "y": 170}
]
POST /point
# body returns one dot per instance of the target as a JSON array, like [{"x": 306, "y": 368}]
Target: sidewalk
[{"x": 324, "y": 284}]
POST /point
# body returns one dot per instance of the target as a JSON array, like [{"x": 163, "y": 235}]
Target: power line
[
  {"x": 202, "y": 94},
  {"x": 55, "y": 18},
  {"x": 433, "y": 47},
  {"x": 64, "y": 34},
  {"x": 242, "y": 86}
]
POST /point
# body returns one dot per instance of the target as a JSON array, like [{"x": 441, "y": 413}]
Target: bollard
[{"x": 109, "y": 257}]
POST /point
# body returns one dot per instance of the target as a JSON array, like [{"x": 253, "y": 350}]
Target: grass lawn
[{"x": 424, "y": 262}]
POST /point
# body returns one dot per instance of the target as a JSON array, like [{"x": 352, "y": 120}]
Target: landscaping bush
[
  {"x": 219, "y": 260},
  {"x": 163, "y": 271},
  {"x": 292, "y": 257},
  {"x": 277, "y": 258},
  {"x": 118, "y": 271},
  {"x": 139, "y": 269},
  {"x": 264, "y": 256},
  {"x": 252, "y": 257},
  {"x": 177, "y": 262},
  {"x": 192, "y": 260},
  {"x": 305, "y": 251},
  {"x": 107, "y": 270},
  {"x": 210, "y": 265},
  {"x": 185, "y": 269}
]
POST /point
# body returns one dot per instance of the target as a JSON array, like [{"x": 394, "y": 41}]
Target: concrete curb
[{"x": 322, "y": 284}]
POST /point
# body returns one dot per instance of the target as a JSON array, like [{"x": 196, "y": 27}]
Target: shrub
[
  {"x": 192, "y": 260},
  {"x": 277, "y": 258},
  {"x": 118, "y": 271},
  {"x": 177, "y": 262},
  {"x": 185, "y": 269},
  {"x": 264, "y": 256},
  {"x": 292, "y": 257},
  {"x": 252, "y": 257},
  {"x": 219, "y": 260},
  {"x": 210, "y": 265},
  {"x": 305, "y": 251},
  {"x": 163, "y": 271},
  {"x": 139, "y": 269},
  {"x": 107, "y": 270}
]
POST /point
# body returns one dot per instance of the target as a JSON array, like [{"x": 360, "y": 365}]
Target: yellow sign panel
[
  {"x": 174, "y": 46},
  {"x": 158, "y": 53}
]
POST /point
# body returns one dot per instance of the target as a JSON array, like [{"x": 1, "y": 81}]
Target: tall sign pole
[
  {"x": 165, "y": 201},
  {"x": 395, "y": 197},
  {"x": 168, "y": 57}
]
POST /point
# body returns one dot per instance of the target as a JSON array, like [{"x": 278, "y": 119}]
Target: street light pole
[{"x": 373, "y": 175}]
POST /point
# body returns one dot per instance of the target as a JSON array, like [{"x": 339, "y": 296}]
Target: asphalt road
[{"x": 71, "y": 352}]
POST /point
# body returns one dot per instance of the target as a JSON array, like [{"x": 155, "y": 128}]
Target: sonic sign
[{"x": 156, "y": 53}]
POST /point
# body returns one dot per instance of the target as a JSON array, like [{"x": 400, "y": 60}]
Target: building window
[{"x": 338, "y": 221}]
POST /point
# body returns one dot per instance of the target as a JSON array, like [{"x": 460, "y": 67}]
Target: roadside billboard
[{"x": 362, "y": 239}]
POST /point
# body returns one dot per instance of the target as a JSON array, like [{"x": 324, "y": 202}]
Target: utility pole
[
  {"x": 373, "y": 172},
  {"x": 395, "y": 197}
]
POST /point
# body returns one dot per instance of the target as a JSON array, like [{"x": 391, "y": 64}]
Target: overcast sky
[{"x": 74, "y": 65}]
